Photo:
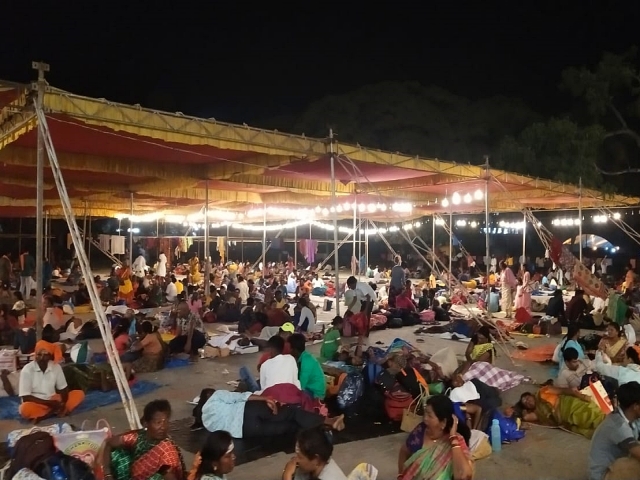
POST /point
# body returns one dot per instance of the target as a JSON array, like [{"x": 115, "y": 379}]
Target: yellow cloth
[
  {"x": 222, "y": 248},
  {"x": 179, "y": 287},
  {"x": 481, "y": 349}
]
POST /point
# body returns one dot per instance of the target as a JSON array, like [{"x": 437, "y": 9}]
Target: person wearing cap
[
  {"x": 43, "y": 387},
  {"x": 285, "y": 331}
]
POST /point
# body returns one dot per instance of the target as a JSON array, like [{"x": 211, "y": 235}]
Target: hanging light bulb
[
  {"x": 468, "y": 198},
  {"x": 455, "y": 198},
  {"x": 325, "y": 211},
  {"x": 318, "y": 209},
  {"x": 478, "y": 194},
  {"x": 383, "y": 207},
  {"x": 339, "y": 209},
  {"x": 445, "y": 203}
]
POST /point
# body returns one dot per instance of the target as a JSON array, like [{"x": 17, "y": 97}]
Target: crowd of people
[{"x": 292, "y": 393}]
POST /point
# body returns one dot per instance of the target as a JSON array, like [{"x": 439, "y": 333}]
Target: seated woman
[
  {"x": 148, "y": 354},
  {"x": 480, "y": 348},
  {"x": 147, "y": 454},
  {"x": 307, "y": 320},
  {"x": 569, "y": 341},
  {"x": 313, "y": 458},
  {"x": 245, "y": 415},
  {"x": 614, "y": 344},
  {"x": 437, "y": 448},
  {"x": 43, "y": 387},
  {"x": 559, "y": 407},
  {"x": 216, "y": 458},
  {"x": 121, "y": 335}
]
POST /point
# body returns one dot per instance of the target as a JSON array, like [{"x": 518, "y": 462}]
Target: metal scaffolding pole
[
  {"x": 450, "y": 274},
  {"x": 131, "y": 230},
  {"x": 486, "y": 222},
  {"x": 580, "y": 218},
  {"x": 524, "y": 241},
  {"x": 355, "y": 256},
  {"x": 366, "y": 239},
  {"x": 41, "y": 86},
  {"x": 295, "y": 247},
  {"x": 335, "y": 221},
  {"x": 264, "y": 241},
  {"x": 433, "y": 239},
  {"x": 46, "y": 235},
  {"x": 207, "y": 250},
  {"x": 90, "y": 239}
]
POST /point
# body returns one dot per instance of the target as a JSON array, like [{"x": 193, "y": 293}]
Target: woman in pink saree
[{"x": 523, "y": 296}]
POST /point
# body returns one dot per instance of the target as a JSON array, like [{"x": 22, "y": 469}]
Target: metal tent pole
[
  {"x": 433, "y": 239},
  {"x": 207, "y": 250},
  {"x": 264, "y": 241},
  {"x": 90, "y": 239},
  {"x": 131, "y": 230},
  {"x": 524, "y": 241},
  {"x": 357, "y": 265},
  {"x": 449, "y": 282},
  {"x": 103, "y": 324},
  {"x": 295, "y": 247},
  {"x": 335, "y": 222},
  {"x": 41, "y": 86},
  {"x": 84, "y": 226},
  {"x": 486, "y": 221},
  {"x": 46, "y": 234},
  {"x": 366, "y": 240},
  {"x": 580, "y": 218}
]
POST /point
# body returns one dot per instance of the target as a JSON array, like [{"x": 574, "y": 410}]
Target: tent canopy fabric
[
  {"x": 109, "y": 151},
  {"x": 588, "y": 240}
]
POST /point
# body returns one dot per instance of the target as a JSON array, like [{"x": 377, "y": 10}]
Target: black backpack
[{"x": 73, "y": 468}]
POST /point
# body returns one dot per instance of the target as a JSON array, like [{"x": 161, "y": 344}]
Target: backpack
[
  {"x": 73, "y": 468},
  {"x": 30, "y": 451}
]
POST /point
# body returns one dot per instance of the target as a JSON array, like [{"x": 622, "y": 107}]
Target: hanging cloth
[
  {"x": 117, "y": 245},
  {"x": 302, "y": 247},
  {"x": 221, "y": 247},
  {"x": 69, "y": 241},
  {"x": 105, "y": 242},
  {"x": 311, "y": 250}
]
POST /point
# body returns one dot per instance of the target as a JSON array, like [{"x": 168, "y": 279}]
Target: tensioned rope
[
  {"x": 103, "y": 324},
  {"x": 452, "y": 278}
]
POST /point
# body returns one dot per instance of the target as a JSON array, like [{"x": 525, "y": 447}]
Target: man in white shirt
[
  {"x": 574, "y": 369},
  {"x": 279, "y": 368},
  {"x": 172, "y": 290},
  {"x": 243, "y": 289},
  {"x": 317, "y": 281},
  {"x": 43, "y": 387},
  {"x": 363, "y": 300}
]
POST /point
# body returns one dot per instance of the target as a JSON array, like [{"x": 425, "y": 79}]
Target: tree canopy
[
  {"x": 598, "y": 141},
  {"x": 417, "y": 120}
]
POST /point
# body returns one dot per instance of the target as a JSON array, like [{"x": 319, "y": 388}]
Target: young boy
[{"x": 331, "y": 340}]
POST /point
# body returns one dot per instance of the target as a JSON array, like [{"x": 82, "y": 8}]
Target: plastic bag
[
  {"x": 508, "y": 428},
  {"x": 351, "y": 390},
  {"x": 84, "y": 444}
]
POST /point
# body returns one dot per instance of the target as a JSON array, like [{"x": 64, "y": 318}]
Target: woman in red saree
[{"x": 147, "y": 454}]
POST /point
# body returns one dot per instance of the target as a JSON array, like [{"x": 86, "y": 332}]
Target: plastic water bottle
[
  {"x": 496, "y": 438},
  {"x": 57, "y": 473}
]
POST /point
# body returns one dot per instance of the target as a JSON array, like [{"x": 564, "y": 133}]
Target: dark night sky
[{"x": 244, "y": 63}]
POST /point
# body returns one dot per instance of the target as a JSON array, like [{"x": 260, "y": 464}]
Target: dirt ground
[{"x": 543, "y": 454}]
